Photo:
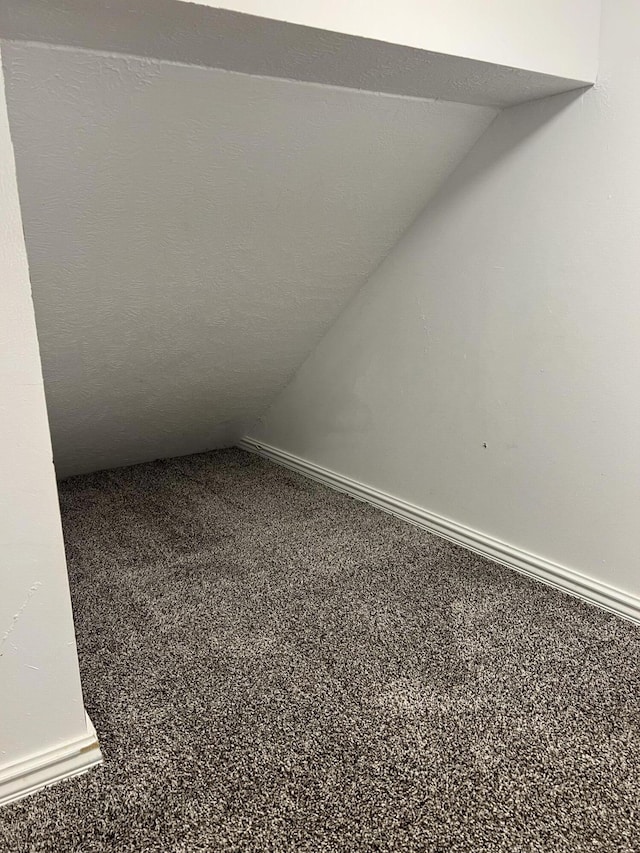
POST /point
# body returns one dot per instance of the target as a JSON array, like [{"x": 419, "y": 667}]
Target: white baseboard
[
  {"x": 39, "y": 771},
  {"x": 595, "y": 592}
]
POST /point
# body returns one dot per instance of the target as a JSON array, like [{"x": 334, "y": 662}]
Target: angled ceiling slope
[{"x": 192, "y": 232}]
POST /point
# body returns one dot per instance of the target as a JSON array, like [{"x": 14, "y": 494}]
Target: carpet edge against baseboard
[
  {"x": 50, "y": 766},
  {"x": 574, "y": 583}
]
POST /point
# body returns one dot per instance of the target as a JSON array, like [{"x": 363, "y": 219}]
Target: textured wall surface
[
  {"x": 508, "y": 316},
  {"x": 40, "y": 694},
  {"x": 558, "y": 37},
  {"x": 461, "y": 53},
  {"x": 193, "y": 233}
]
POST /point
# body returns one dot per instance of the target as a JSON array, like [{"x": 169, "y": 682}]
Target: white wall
[
  {"x": 508, "y": 316},
  {"x": 558, "y": 37},
  {"x": 41, "y": 706},
  {"x": 192, "y": 233}
]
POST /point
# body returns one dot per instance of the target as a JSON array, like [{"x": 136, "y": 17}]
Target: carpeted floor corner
[{"x": 272, "y": 666}]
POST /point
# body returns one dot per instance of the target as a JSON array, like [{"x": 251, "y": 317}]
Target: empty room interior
[{"x": 320, "y": 426}]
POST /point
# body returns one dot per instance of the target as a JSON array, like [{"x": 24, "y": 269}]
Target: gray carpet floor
[{"x": 272, "y": 666}]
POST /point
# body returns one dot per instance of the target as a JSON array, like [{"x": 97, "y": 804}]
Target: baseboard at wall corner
[
  {"x": 39, "y": 771},
  {"x": 574, "y": 583}
]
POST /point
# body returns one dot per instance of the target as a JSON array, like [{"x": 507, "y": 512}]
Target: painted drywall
[
  {"x": 489, "y": 370},
  {"x": 192, "y": 234},
  {"x": 41, "y": 706},
  {"x": 544, "y": 43},
  {"x": 558, "y": 37}
]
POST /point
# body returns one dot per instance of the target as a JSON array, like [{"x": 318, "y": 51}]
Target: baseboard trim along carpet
[
  {"x": 569, "y": 581},
  {"x": 40, "y": 771}
]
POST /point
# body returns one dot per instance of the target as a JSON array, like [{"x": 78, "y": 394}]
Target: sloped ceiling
[{"x": 192, "y": 233}]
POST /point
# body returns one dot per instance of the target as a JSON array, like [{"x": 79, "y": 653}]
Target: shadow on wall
[
  {"x": 341, "y": 383},
  {"x": 492, "y": 150}
]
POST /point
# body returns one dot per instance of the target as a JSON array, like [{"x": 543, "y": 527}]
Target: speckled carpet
[{"x": 272, "y": 666}]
